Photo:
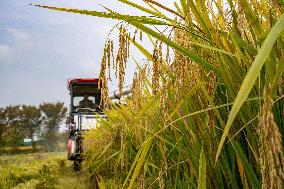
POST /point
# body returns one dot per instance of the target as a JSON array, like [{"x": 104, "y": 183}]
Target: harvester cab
[{"x": 84, "y": 113}]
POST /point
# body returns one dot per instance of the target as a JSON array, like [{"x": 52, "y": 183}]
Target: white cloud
[
  {"x": 18, "y": 35},
  {"x": 90, "y": 66},
  {"x": 41, "y": 67},
  {"x": 86, "y": 63},
  {"x": 5, "y": 52},
  {"x": 22, "y": 41}
]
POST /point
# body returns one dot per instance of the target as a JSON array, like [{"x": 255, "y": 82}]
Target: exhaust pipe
[{"x": 116, "y": 95}]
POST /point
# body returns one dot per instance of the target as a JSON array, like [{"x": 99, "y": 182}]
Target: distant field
[
  {"x": 39, "y": 170},
  {"x": 28, "y": 149},
  {"x": 21, "y": 149}
]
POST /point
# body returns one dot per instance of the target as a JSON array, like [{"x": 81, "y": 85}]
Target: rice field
[
  {"x": 39, "y": 170},
  {"x": 209, "y": 116}
]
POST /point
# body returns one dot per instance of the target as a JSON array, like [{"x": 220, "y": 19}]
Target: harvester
[{"x": 84, "y": 113}]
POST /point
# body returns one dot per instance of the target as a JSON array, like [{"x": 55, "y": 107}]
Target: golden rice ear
[
  {"x": 122, "y": 56},
  {"x": 138, "y": 86},
  {"x": 141, "y": 35},
  {"x": 128, "y": 44},
  {"x": 112, "y": 54},
  {"x": 105, "y": 64},
  {"x": 271, "y": 150},
  {"x": 134, "y": 35},
  {"x": 155, "y": 68},
  {"x": 119, "y": 65},
  {"x": 168, "y": 60},
  {"x": 109, "y": 57}
]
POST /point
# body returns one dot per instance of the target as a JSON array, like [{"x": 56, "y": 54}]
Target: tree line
[{"x": 29, "y": 121}]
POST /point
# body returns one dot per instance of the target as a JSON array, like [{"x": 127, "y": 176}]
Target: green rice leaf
[
  {"x": 251, "y": 77},
  {"x": 140, "y": 162},
  {"x": 112, "y": 15},
  {"x": 178, "y": 8},
  {"x": 247, "y": 165},
  {"x": 132, "y": 166},
  {"x": 202, "y": 171},
  {"x": 140, "y": 7}
]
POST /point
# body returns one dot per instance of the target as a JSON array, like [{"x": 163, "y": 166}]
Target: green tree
[
  {"x": 3, "y": 123},
  {"x": 14, "y": 127},
  {"x": 53, "y": 114},
  {"x": 31, "y": 121}
]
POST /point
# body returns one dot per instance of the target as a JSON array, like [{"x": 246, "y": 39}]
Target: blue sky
[{"x": 40, "y": 49}]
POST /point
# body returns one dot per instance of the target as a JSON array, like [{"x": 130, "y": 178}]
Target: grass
[{"x": 39, "y": 170}]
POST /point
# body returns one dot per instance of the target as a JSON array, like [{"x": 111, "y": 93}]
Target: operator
[{"x": 86, "y": 103}]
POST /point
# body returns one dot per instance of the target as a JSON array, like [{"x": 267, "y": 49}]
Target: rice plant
[
  {"x": 39, "y": 170},
  {"x": 212, "y": 117}
]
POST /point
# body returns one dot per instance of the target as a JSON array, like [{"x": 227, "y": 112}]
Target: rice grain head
[{"x": 271, "y": 151}]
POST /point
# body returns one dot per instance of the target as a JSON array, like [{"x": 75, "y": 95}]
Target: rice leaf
[
  {"x": 251, "y": 77},
  {"x": 132, "y": 167},
  {"x": 140, "y": 7},
  {"x": 101, "y": 182},
  {"x": 140, "y": 162},
  {"x": 202, "y": 170},
  {"x": 112, "y": 15},
  {"x": 255, "y": 183}
]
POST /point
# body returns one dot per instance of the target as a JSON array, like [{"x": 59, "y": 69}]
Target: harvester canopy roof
[{"x": 84, "y": 86}]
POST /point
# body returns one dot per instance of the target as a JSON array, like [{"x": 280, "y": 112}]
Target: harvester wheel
[{"x": 77, "y": 165}]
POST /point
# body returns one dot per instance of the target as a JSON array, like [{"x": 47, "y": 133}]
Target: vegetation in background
[
  {"x": 211, "y": 115},
  {"x": 31, "y": 119},
  {"x": 53, "y": 115},
  {"x": 32, "y": 122},
  {"x": 14, "y": 129},
  {"x": 2, "y": 123}
]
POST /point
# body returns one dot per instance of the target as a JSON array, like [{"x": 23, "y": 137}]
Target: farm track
[{"x": 71, "y": 179}]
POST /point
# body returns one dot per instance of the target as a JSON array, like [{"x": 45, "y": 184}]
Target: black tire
[{"x": 77, "y": 165}]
